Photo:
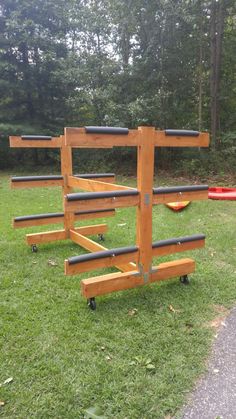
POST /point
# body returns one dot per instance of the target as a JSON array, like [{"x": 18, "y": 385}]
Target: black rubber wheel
[
  {"x": 34, "y": 248},
  {"x": 184, "y": 279},
  {"x": 92, "y": 303},
  {"x": 101, "y": 237}
]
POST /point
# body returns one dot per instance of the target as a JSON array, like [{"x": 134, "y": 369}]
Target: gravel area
[{"x": 215, "y": 395}]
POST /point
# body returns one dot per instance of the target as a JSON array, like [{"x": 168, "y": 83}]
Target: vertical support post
[
  {"x": 66, "y": 171},
  {"x": 145, "y": 172}
]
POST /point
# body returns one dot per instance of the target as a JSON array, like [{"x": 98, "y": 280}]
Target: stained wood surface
[
  {"x": 105, "y": 262},
  {"x": 95, "y": 185},
  {"x": 93, "y": 246},
  {"x": 104, "y": 203},
  {"x": 179, "y": 197},
  {"x": 176, "y": 248},
  {"x": 16, "y": 141},
  {"x": 46, "y": 237},
  {"x": 37, "y": 183},
  {"x": 105, "y": 284},
  {"x": 145, "y": 172}
]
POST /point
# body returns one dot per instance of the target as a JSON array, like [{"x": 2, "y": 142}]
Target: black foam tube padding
[
  {"x": 99, "y": 195},
  {"x": 39, "y": 216},
  {"x": 178, "y": 240},
  {"x": 175, "y": 189},
  {"x": 94, "y": 175},
  {"x": 107, "y": 130},
  {"x": 103, "y": 254},
  {"x": 94, "y": 211},
  {"x": 36, "y": 137},
  {"x": 35, "y": 178},
  {"x": 182, "y": 132},
  {"x": 56, "y": 214}
]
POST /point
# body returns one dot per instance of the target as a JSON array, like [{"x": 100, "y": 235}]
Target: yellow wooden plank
[
  {"x": 95, "y": 185},
  {"x": 77, "y": 137},
  {"x": 105, "y": 262},
  {"x": 175, "y": 248},
  {"x": 16, "y": 141},
  {"x": 38, "y": 222},
  {"x": 46, "y": 237},
  {"x": 179, "y": 197},
  {"x": 92, "y": 246},
  {"x": 66, "y": 171},
  {"x": 90, "y": 230},
  {"x": 145, "y": 171},
  {"x": 104, "y": 203},
  {"x": 105, "y": 284},
  {"x": 162, "y": 140},
  {"x": 37, "y": 183},
  {"x": 103, "y": 214}
]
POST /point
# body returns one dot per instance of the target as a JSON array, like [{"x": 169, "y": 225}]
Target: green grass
[{"x": 65, "y": 358}]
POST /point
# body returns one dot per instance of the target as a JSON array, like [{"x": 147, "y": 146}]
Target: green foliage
[{"x": 122, "y": 63}]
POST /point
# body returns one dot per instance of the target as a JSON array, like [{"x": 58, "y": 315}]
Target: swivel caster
[
  {"x": 91, "y": 303},
  {"x": 101, "y": 237},
  {"x": 34, "y": 248},
  {"x": 184, "y": 279}
]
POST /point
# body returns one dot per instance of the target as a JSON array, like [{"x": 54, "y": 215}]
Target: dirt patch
[{"x": 218, "y": 321}]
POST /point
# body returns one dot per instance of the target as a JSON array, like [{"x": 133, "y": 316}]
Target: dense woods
[{"x": 168, "y": 63}]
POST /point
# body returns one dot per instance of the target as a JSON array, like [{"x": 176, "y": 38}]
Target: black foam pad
[
  {"x": 56, "y": 214},
  {"x": 178, "y": 240},
  {"x": 39, "y": 216},
  {"x": 35, "y": 178},
  {"x": 103, "y": 254},
  {"x": 36, "y": 137},
  {"x": 107, "y": 130},
  {"x": 94, "y": 211},
  {"x": 182, "y": 133},
  {"x": 176, "y": 189},
  {"x": 99, "y": 195},
  {"x": 94, "y": 175}
]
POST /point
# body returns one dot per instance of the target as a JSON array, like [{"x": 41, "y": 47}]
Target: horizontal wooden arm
[
  {"x": 105, "y": 284},
  {"x": 16, "y": 141}
]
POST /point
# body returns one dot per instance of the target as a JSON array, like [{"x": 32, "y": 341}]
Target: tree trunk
[{"x": 216, "y": 34}]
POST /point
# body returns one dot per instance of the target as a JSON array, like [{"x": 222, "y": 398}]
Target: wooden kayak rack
[{"x": 103, "y": 196}]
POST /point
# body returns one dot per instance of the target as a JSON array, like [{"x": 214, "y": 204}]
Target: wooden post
[
  {"x": 66, "y": 171},
  {"x": 145, "y": 172}
]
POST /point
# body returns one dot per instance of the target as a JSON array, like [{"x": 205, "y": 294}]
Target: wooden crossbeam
[
  {"x": 95, "y": 185},
  {"x": 104, "y": 203},
  {"x": 20, "y": 222},
  {"x": 77, "y": 137},
  {"x": 88, "y": 230},
  {"x": 46, "y": 237},
  {"x": 179, "y": 247},
  {"x": 105, "y": 284},
  {"x": 145, "y": 172},
  {"x": 16, "y": 141},
  {"x": 162, "y": 140},
  {"x": 179, "y": 197},
  {"x": 97, "y": 263},
  {"x": 93, "y": 246},
  {"x": 37, "y": 183}
]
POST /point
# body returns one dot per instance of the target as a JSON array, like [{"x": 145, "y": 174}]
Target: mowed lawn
[{"x": 64, "y": 358}]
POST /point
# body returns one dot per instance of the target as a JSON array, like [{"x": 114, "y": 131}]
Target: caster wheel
[
  {"x": 101, "y": 237},
  {"x": 184, "y": 279},
  {"x": 34, "y": 248},
  {"x": 92, "y": 303}
]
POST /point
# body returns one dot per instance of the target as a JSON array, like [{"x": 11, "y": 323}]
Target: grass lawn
[{"x": 65, "y": 358}]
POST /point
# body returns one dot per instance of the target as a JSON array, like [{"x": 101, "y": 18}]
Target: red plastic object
[
  {"x": 222, "y": 193},
  {"x": 178, "y": 206}
]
